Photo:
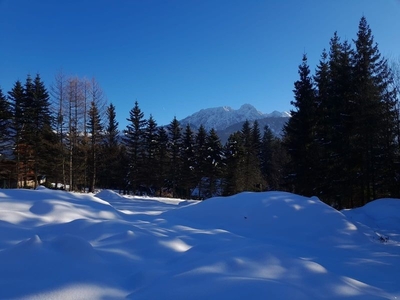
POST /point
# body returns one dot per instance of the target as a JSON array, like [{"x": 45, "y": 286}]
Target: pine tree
[
  {"x": 200, "y": 159},
  {"x": 255, "y": 152},
  {"x": 188, "y": 162},
  {"x": 375, "y": 110},
  {"x": 6, "y": 169},
  {"x": 162, "y": 159},
  {"x": 175, "y": 144},
  {"x": 111, "y": 151},
  {"x": 95, "y": 128},
  {"x": 5, "y": 127},
  {"x": 272, "y": 160},
  {"x": 45, "y": 139},
  {"x": 134, "y": 134},
  {"x": 214, "y": 164},
  {"x": 32, "y": 128},
  {"x": 300, "y": 134},
  {"x": 234, "y": 151},
  {"x": 16, "y": 97},
  {"x": 150, "y": 154},
  {"x": 323, "y": 131}
]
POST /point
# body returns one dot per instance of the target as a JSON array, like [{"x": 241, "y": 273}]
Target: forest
[{"x": 342, "y": 142}]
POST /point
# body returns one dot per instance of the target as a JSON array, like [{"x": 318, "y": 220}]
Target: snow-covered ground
[{"x": 274, "y": 245}]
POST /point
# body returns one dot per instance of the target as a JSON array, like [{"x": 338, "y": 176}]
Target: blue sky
[{"x": 176, "y": 57}]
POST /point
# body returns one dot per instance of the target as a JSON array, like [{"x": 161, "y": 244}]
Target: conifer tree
[
  {"x": 258, "y": 183},
  {"x": 45, "y": 139},
  {"x": 214, "y": 163},
  {"x": 134, "y": 134},
  {"x": 162, "y": 159},
  {"x": 188, "y": 162},
  {"x": 16, "y": 97},
  {"x": 111, "y": 151},
  {"x": 150, "y": 154},
  {"x": 234, "y": 181},
  {"x": 200, "y": 159},
  {"x": 272, "y": 160},
  {"x": 300, "y": 134},
  {"x": 375, "y": 107},
  {"x": 175, "y": 144},
  {"x": 95, "y": 128},
  {"x": 5, "y": 127}
]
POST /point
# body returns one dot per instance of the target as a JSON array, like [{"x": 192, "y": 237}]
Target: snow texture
[{"x": 272, "y": 245}]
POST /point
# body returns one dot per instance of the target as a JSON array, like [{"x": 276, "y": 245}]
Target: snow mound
[
  {"x": 380, "y": 219},
  {"x": 272, "y": 215},
  {"x": 382, "y": 213},
  {"x": 74, "y": 247},
  {"x": 109, "y": 196},
  {"x": 41, "y": 188}
]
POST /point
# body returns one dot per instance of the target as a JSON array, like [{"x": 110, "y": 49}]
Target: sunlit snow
[{"x": 273, "y": 245}]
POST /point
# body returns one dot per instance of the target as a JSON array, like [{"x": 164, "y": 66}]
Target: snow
[
  {"x": 272, "y": 245},
  {"x": 222, "y": 117}
]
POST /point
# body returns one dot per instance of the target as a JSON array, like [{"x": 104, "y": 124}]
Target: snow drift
[{"x": 275, "y": 245}]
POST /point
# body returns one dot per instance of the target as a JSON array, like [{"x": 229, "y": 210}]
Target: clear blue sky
[{"x": 176, "y": 57}]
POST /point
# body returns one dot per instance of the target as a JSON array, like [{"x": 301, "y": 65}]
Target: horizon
[{"x": 178, "y": 57}]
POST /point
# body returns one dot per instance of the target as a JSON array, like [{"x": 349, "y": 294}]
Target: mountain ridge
[{"x": 223, "y": 117}]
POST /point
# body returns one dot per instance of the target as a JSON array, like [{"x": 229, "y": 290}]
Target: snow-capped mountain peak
[{"x": 222, "y": 117}]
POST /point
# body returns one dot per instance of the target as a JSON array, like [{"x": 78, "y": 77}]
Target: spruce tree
[
  {"x": 272, "y": 160},
  {"x": 95, "y": 128},
  {"x": 5, "y": 127},
  {"x": 45, "y": 138},
  {"x": 234, "y": 151},
  {"x": 214, "y": 164},
  {"x": 162, "y": 159},
  {"x": 374, "y": 114},
  {"x": 200, "y": 159},
  {"x": 188, "y": 162},
  {"x": 175, "y": 144},
  {"x": 258, "y": 183},
  {"x": 134, "y": 135},
  {"x": 150, "y": 154},
  {"x": 16, "y": 97},
  {"x": 300, "y": 134},
  {"x": 111, "y": 151}
]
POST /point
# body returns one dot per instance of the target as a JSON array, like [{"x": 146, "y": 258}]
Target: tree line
[
  {"x": 74, "y": 142},
  {"x": 341, "y": 143}
]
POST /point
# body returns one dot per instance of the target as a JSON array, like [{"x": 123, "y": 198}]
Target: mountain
[
  {"x": 223, "y": 117},
  {"x": 226, "y": 120}
]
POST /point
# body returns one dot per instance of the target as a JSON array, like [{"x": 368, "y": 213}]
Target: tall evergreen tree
[
  {"x": 5, "y": 127},
  {"x": 162, "y": 159},
  {"x": 300, "y": 134},
  {"x": 16, "y": 97},
  {"x": 188, "y": 162},
  {"x": 200, "y": 159},
  {"x": 134, "y": 134},
  {"x": 272, "y": 160},
  {"x": 45, "y": 139},
  {"x": 95, "y": 128},
  {"x": 175, "y": 144},
  {"x": 150, "y": 154},
  {"x": 373, "y": 105},
  {"x": 111, "y": 151},
  {"x": 234, "y": 181},
  {"x": 255, "y": 156},
  {"x": 214, "y": 164}
]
